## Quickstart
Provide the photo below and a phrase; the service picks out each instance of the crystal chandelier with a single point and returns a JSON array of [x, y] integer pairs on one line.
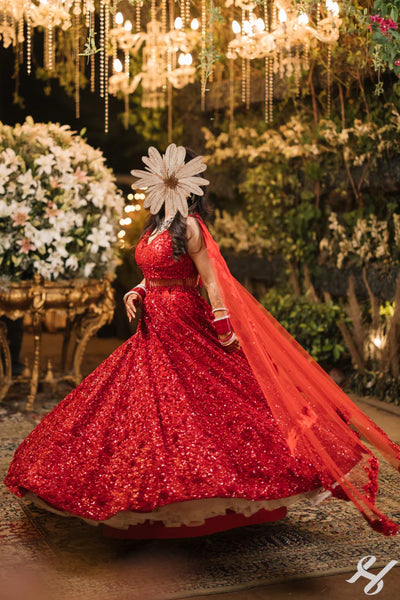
[[282, 36]]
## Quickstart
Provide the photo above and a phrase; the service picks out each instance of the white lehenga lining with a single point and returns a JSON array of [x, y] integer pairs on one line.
[[190, 512]]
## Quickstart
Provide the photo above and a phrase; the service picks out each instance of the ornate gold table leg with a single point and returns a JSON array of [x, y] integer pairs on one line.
[[5, 362]]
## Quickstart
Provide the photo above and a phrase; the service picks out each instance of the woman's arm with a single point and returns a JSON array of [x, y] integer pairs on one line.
[[131, 298], [198, 252]]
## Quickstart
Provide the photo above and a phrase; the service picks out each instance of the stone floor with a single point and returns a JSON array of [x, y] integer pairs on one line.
[[326, 588]]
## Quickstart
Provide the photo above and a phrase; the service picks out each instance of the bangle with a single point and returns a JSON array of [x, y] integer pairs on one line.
[[138, 289], [219, 308], [229, 341], [223, 325]]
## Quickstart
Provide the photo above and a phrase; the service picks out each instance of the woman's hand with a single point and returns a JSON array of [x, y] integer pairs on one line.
[[235, 345], [130, 305]]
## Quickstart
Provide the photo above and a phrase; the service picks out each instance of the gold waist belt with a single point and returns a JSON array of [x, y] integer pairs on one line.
[[188, 282]]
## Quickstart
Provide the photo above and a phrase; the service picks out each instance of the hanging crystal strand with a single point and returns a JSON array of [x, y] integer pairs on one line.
[[266, 90], [92, 57], [87, 14], [187, 11], [266, 64], [77, 10], [183, 13], [274, 15], [170, 67], [271, 88], [50, 41], [137, 24], [243, 62], [248, 72], [106, 40], [21, 40], [165, 56], [211, 74], [29, 41], [102, 60], [297, 72], [329, 107], [46, 48], [231, 92], [164, 17], [203, 50]]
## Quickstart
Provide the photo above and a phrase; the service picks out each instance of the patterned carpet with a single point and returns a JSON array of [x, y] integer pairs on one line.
[[67, 558]]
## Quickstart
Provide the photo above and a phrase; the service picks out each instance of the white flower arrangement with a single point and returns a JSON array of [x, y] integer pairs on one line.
[[365, 243], [60, 206]]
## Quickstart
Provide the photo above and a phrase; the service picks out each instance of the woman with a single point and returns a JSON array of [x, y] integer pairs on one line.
[[208, 417]]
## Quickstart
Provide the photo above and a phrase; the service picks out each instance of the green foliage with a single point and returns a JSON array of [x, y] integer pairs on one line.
[[312, 324], [294, 176], [234, 233]]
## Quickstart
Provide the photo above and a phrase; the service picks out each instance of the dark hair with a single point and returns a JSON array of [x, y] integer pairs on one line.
[[177, 228]]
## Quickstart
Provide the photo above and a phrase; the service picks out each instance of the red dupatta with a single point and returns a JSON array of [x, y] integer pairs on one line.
[[305, 401]]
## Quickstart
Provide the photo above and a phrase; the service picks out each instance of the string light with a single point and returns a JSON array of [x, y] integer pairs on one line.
[[266, 66], [203, 51], [77, 65], [106, 37], [102, 50], [138, 5], [329, 107], [29, 40]]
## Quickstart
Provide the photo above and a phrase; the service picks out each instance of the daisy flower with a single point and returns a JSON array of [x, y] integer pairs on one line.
[[169, 179]]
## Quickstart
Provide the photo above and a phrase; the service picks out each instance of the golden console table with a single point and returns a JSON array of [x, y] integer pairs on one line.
[[88, 305]]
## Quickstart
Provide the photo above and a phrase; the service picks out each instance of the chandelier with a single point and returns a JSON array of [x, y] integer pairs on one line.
[[167, 42], [282, 36]]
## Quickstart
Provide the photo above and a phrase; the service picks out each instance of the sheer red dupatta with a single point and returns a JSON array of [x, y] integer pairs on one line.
[[311, 411]]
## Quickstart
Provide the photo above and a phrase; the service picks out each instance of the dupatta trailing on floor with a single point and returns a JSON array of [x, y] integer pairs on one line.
[[304, 400]]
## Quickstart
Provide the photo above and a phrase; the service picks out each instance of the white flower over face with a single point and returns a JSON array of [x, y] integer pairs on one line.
[[45, 163], [169, 179]]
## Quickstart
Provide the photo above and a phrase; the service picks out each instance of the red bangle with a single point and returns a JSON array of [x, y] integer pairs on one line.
[[140, 291], [223, 325]]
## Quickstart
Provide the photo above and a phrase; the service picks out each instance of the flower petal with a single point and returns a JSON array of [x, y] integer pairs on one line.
[[169, 202], [193, 167], [181, 201], [154, 161], [150, 178], [174, 158], [194, 180], [157, 201]]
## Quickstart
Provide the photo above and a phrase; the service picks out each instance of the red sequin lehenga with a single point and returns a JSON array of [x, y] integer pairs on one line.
[[170, 435]]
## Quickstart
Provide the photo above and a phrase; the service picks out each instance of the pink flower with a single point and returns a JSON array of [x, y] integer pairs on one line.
[[51, 210], [54, 182], [19, 218], [27, 246], [80, 176], [375, 18], [397, 62], [369, 27]]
